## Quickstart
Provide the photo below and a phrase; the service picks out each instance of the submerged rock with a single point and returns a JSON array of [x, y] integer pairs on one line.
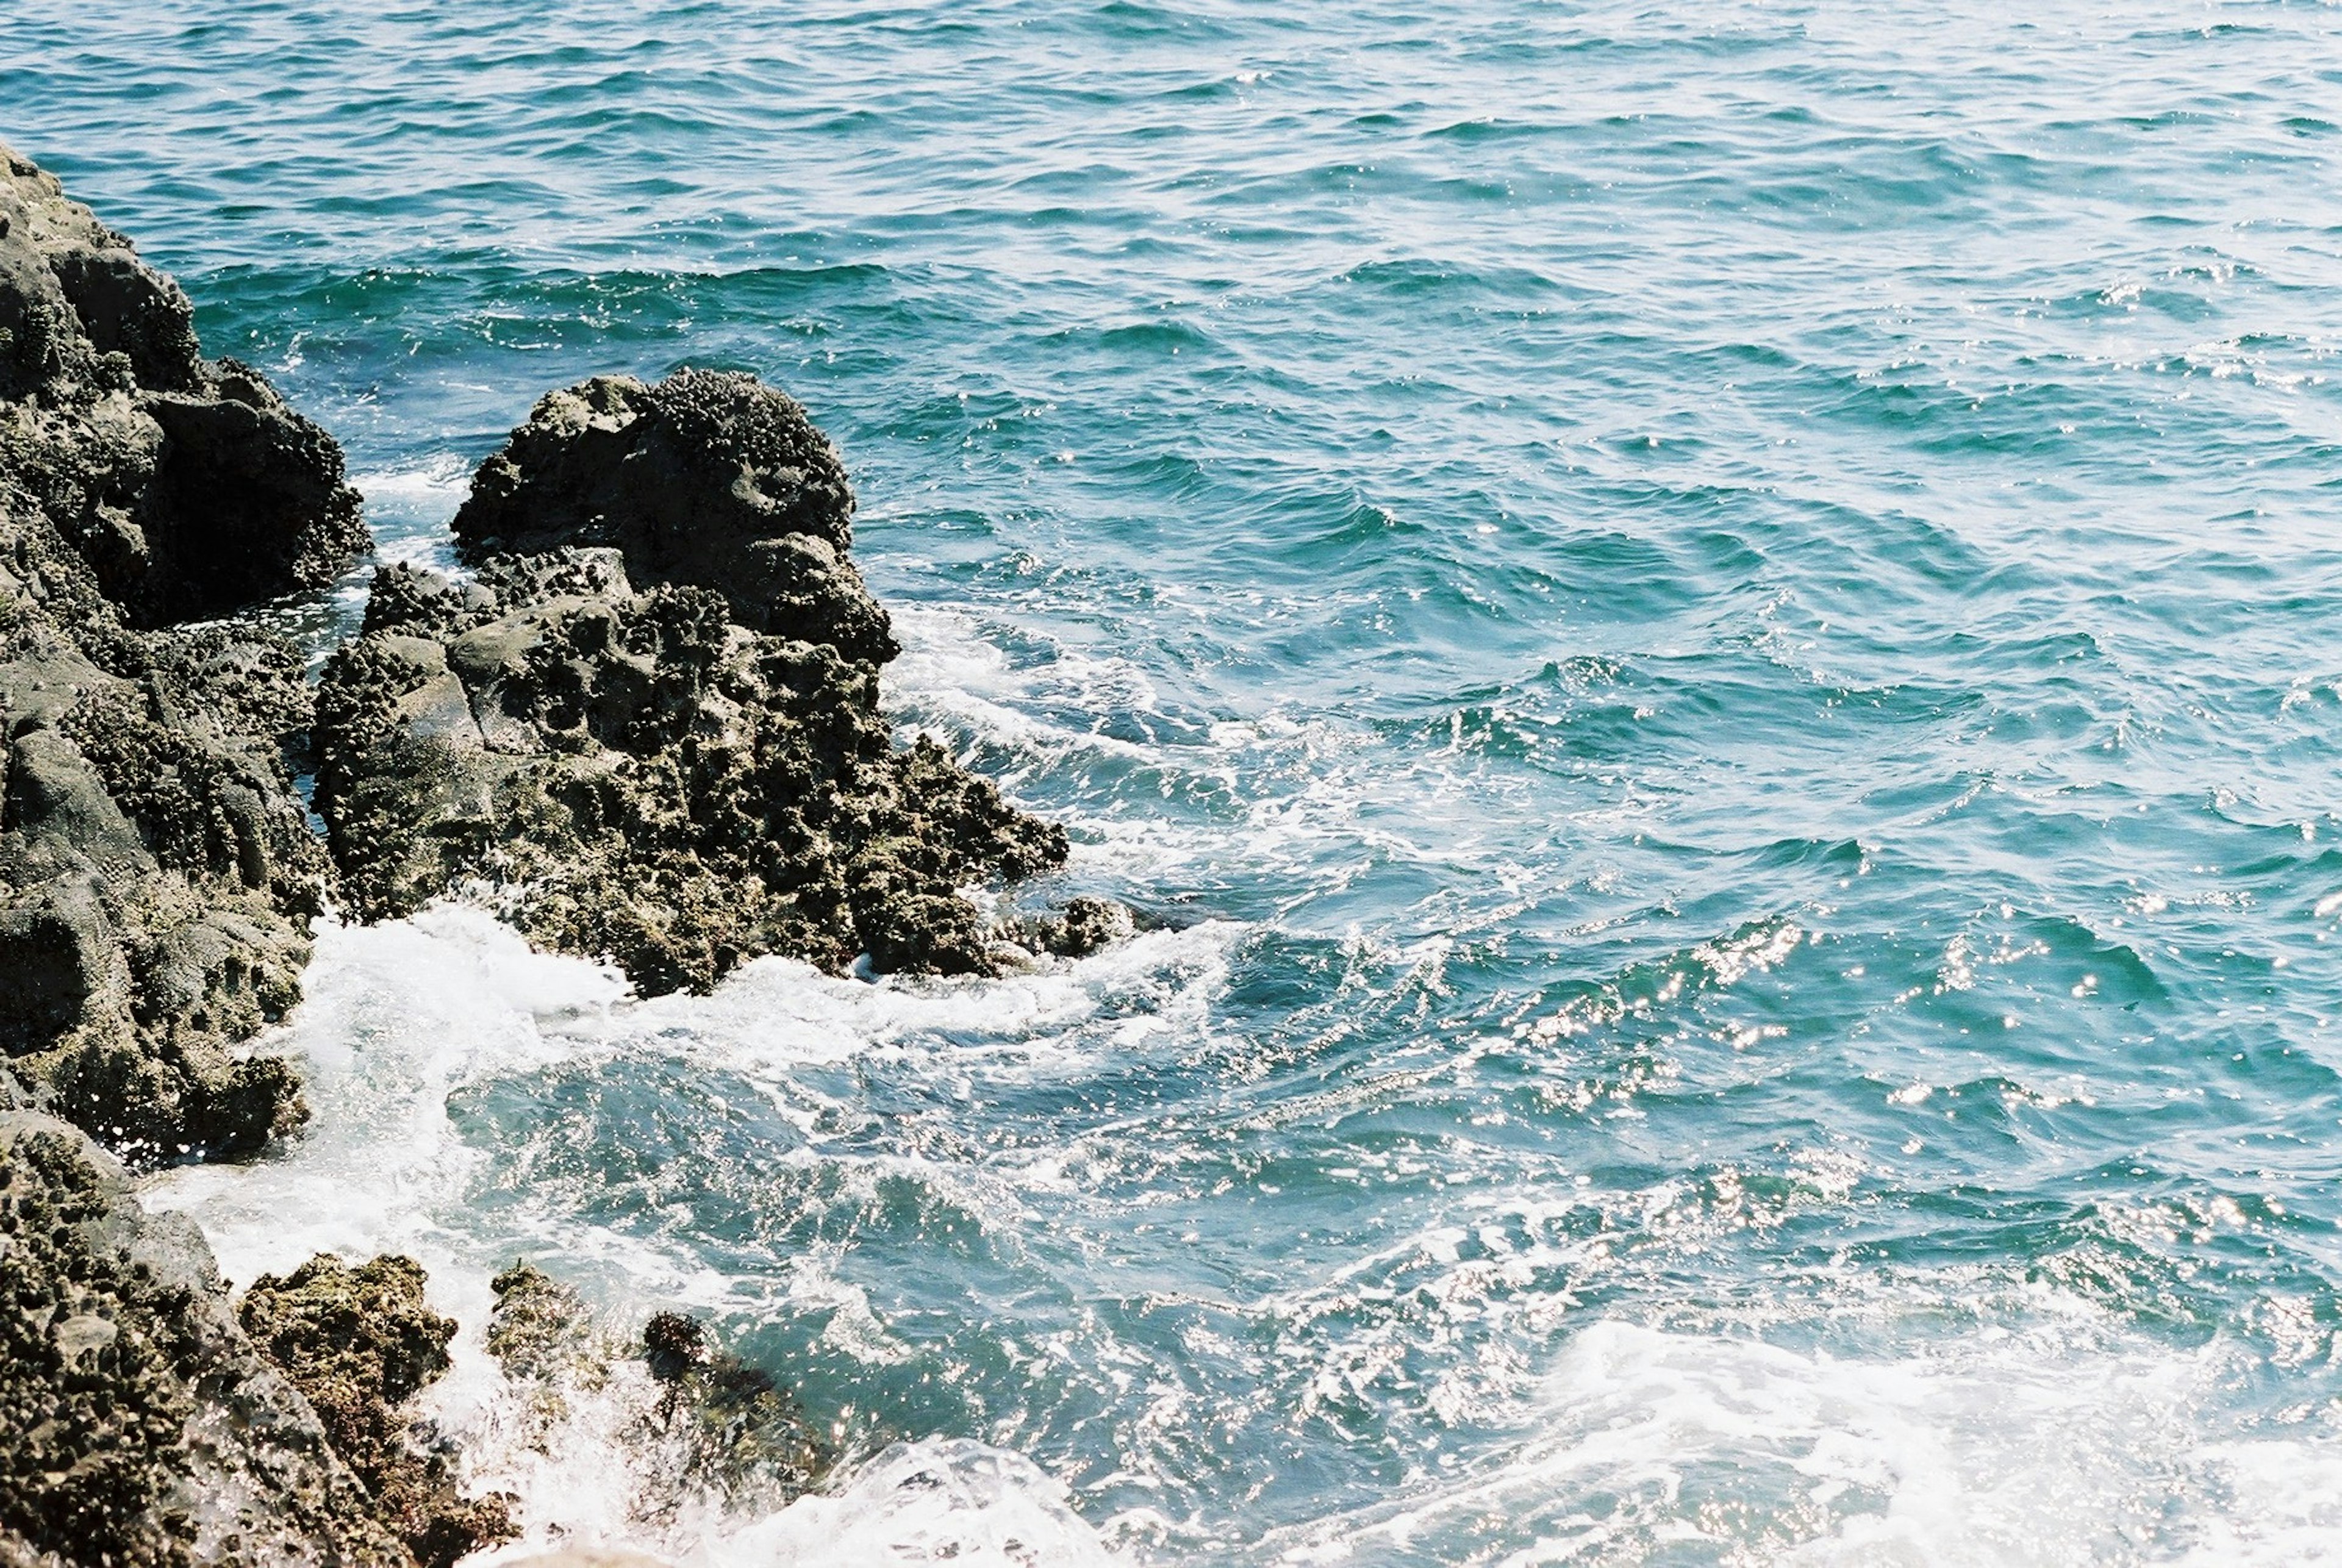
[[649, 727], [359, 1343], [157, 876], [704, 1425], [138, 1427], [736, 1430]]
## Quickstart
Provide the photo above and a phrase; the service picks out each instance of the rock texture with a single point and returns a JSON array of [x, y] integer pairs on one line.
[[156, 872], [359, 1343], [138, 1425], [706, 480], [648, 726], [185, 484]]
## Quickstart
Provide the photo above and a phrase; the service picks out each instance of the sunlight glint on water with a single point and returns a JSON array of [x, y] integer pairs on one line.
[[1710, 633]]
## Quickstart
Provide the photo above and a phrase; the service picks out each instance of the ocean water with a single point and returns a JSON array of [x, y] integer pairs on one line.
[[1714, 631]]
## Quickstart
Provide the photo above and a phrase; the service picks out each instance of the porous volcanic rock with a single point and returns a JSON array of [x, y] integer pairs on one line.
[[359, 1343], [157, 876], [648, 726], [708, 479], [138, 1427]]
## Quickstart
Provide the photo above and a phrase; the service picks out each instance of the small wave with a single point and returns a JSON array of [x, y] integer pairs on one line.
[[2053, 1445], [950, 1500]]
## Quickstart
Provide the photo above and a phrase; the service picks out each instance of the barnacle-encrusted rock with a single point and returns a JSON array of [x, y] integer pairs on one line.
[[156, 873], [137, 1424], [649, 725], [359, 1342]]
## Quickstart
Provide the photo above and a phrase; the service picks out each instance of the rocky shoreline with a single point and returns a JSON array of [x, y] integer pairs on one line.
[[643, 724]]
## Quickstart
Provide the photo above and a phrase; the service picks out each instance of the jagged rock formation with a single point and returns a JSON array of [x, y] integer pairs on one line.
[[359, 1342], [704, 480], [156, 872], [649, 725], [138, 1425], [185, 484]]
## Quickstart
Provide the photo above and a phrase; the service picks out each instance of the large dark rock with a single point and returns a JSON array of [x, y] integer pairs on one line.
[[139, 1427], [185, 484], [709, 478], [157, 876], [639, 734]]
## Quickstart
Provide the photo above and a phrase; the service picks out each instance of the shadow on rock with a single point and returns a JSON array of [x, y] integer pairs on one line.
[[648, 728], [157, 876]]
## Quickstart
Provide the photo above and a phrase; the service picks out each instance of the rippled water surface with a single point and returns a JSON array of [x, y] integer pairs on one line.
[[1717, 630]]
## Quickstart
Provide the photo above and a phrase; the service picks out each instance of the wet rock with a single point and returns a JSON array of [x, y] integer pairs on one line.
[[541, 1331], [1085, 925], [737, 1431], [704, 1424], [644, 734], [157, 876], [359, 1343], [137, 1424]]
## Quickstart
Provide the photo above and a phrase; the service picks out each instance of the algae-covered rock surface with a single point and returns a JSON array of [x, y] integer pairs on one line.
[[359, 1342], [138, 1425], [648, 726], [157, 876]]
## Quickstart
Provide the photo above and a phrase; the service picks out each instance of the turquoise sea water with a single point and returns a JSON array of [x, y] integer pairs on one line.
[[1716, 629]]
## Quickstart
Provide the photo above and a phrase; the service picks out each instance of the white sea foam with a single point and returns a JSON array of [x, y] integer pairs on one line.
[[1991, 1448], [401, 1015], [1300, 790], [941, 1501], [2075, 1439], [408, 508]]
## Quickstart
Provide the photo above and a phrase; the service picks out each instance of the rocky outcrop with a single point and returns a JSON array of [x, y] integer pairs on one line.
[[648, 726], [645, 723], [185, 484], [706, 480], [359, 1343], [156, 872], [138, 1425]]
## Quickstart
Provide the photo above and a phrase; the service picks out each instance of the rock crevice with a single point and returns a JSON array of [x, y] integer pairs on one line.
[[157, 876]]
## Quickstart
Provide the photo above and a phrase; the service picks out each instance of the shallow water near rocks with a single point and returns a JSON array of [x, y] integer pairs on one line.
[[1713, 628]]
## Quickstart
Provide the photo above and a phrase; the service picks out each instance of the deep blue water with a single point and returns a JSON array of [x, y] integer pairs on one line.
[[1720, 628]]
